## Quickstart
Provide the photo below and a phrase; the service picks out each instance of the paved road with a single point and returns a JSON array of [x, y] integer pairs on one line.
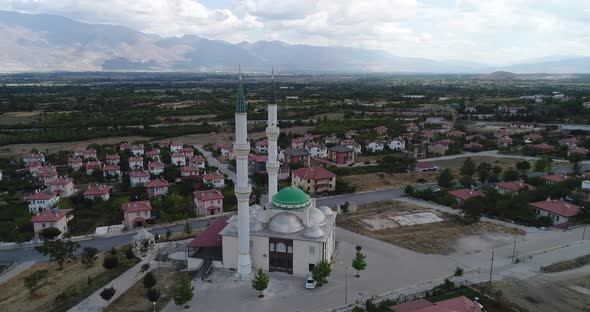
[[493, 153], [212, 161]]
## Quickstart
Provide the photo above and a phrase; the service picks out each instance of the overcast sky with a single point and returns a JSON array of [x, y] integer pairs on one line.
[[485, 31]]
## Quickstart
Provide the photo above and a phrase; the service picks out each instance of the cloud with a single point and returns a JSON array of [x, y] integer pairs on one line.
[[491, 31]]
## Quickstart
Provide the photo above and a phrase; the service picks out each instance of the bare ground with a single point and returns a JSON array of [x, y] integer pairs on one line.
[[377, 181], [431, 238]]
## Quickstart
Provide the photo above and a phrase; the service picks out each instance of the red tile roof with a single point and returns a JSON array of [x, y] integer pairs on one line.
[[97, 190], [33, 156], [412, 306], [208, 195], [177, 155], [569, 140], [213, 176], [261, 143], [61, 181], [135, 159], [71, 160], [515, 186], [139, 174], [465, 194], [558, 207], [34, 164], [153, 152], [533, 136], [156, 164], [504, 140], [93, 164], [111, 168], [542, 147], [157, 183], [197, 159], [258, 158], [188, 169], [458, 304], [143, 205], [41, 196], [556, 177], [315, 173], [50, 215], [210, 236], [578, 150]]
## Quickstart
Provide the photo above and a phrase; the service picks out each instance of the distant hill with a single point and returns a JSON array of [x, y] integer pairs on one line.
[[504, 75], [50, 43], [498, 75]]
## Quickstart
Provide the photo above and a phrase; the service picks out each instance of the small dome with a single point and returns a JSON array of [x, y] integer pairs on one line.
[[317, 217], [326, 210], [313, 232], [290, 198], [286, 223]]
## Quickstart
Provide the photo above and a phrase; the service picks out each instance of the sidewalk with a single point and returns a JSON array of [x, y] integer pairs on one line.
[[14, 270], [94, 303]]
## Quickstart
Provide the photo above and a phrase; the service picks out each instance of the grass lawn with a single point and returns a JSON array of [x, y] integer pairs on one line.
[[134, 299], [61, 290]]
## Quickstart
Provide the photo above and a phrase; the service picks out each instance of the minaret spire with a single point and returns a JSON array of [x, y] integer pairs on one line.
[[242, 187], [272, 132]]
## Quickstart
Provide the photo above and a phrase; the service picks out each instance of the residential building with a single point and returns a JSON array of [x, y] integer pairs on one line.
[[473, 147], [79, 151], [139, 178], [208, 202], [175, 147], [41, 200], [455, 133], [137, 150], [317, 150], [457, 304], [157, 188], [555, 178], [341, 155], [504, 142], [313, 179], [97, 191], [298, 142], [397, 144], [124, 146], [188, 152], [74, 162], [33, 157], [331, 140], [92, 166], [33, 166], [439, 147], [63, 187], [198, 162], [257, 163], [189, 171], [261, 146], [153, 155], [375, 146], [512, 187], [114, 159], [215, 178], [352, 145], [511, 110], [521, 125], [381, 130], [569, 142], [461, 195], [164, 143], [156, 168], [90, 154], [55, 218], [577, 150], [111, 171], [351, 134], [532, 138], [542, 147], [423, 166], [136, 213], [46, 177], [136, 163], [178, 159], [295, 156], [560, 212]]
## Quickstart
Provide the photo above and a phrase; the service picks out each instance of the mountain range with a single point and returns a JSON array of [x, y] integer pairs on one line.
[[41, 42]]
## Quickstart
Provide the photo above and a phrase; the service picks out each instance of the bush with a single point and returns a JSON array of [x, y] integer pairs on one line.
[[458, 272], [129, 254]]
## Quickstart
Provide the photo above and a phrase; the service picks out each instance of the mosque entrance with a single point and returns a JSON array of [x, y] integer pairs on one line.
[[280, 255]]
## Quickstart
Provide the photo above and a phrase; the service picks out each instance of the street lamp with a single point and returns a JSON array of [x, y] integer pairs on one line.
[[345, 283]]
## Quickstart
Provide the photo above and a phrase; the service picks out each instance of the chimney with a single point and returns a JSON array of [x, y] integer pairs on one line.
[[548, 198]]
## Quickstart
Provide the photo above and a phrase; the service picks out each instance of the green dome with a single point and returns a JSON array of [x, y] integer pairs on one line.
[[290, 198]]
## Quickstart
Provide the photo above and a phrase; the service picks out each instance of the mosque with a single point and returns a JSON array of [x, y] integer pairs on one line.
[[288, 234]]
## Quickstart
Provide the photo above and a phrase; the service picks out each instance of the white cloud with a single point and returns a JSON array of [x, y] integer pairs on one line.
[[497, 31]]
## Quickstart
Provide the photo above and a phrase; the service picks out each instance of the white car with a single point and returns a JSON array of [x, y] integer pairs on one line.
[[310, 283]]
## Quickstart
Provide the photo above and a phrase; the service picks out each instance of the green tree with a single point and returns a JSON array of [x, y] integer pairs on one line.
[[183, 292], [473, 209], [544, 165], [575, 159], [58, 251], [359, 263], [33, 280], [466, 181], [445, 179], [409, 190], [260, 282], [511, 175], [523, 166], [321, 272], [153, 295], [149, 280], [50, 232], [88, 255], [110, 262], [468, 168], [484, 172], [108, 293], [497, 170]]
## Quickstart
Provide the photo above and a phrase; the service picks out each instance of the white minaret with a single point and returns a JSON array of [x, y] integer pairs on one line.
[[242, 188], [272, 132]]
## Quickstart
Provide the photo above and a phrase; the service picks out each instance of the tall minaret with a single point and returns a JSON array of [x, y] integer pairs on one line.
[[242, 188], [272, 132]]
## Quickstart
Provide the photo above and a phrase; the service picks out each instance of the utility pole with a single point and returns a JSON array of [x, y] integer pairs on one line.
[[492, 267], [346, 285], [514, 249], [584, 232]]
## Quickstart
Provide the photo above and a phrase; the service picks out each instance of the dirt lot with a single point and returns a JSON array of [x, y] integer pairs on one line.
[[73, 279], [505, 163], [551, 292], [377, 181], [206, 138], [134, 299], [19, 149], [429, 238]]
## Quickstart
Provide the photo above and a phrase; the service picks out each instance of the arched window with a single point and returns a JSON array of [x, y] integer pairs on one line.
[[281, 247], [290, 249], [271, 247]]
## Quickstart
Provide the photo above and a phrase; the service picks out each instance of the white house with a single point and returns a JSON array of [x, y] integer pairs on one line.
[[178, 159], [95, 192], [156, 168], [397, 144], [559, 211], [208, 202], [317, 150], [375, 146], [215, 178], [352, 145], [64, 187], [153, 154], [175, 147], [33, 157], [137, 150], [137, 178], [157, 188], [261, 146], [42, 200], [198, 162], [111, 171], [55, 218], [135, 163]]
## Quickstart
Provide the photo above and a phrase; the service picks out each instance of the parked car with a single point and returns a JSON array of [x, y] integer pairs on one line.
[[310, 283]]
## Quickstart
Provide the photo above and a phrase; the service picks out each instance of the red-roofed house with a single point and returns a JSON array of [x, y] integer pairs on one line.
[[226, 150], [455, 133], [381, 130], [261, 146], [422, 166], [457, 304], [136, 213], [41, 200], [543, 147], [473, 147], [89, 154], [79, 151], [298, 142], [341, 155], [64, 187], [257, 163], [577, 150], [164, 143], [521, 125], [33, 166], [157, 188], [296, 155], [175, 147], [352, 145], [114, 159], [75, 163], [138, 178], [461, 195], [439, 147], [189, 171], [153, 154], [45, 177], [512, 187], [156, 167], [178, 159], [188, 152], [198, 162], [350, 134], [111, 171], [555, 178], [137, 150], [331, 140], [397, 144], [98, 191], [124, 146], [533, 137], [92, 166], [558, 210], [569, 142], [375, 146], [210, 237], [317, 150], [56, 218], [314, 179], [505, 142], [135, 163], [208, 202], [33, 157], [215, 178]]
